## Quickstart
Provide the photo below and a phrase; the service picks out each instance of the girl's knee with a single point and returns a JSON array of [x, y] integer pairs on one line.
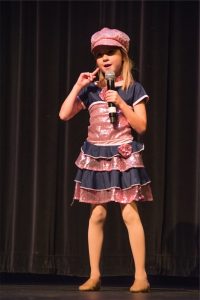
[[130, 213], [98, 214]]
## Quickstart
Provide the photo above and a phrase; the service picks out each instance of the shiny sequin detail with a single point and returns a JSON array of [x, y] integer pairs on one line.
[[102, 131], [110, 166], [134, 193], [125, 150], [102, 93], [115, 163]]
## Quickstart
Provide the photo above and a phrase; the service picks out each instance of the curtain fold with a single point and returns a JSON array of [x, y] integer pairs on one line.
[[44, 47]]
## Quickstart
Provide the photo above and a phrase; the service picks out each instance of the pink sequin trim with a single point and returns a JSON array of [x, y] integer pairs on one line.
[[102, 93], [125, 150], [115, 163], [134, 193], [102, 131]]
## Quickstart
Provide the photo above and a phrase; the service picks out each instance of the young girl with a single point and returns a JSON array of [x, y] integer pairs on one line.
[[110, 166]]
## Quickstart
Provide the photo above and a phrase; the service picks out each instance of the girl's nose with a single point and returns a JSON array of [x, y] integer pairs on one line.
[[105, 57]]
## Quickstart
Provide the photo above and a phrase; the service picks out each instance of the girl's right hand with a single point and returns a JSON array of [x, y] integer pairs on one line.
[[86, 78]]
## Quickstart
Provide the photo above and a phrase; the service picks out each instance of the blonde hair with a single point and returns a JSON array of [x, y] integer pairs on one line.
[[126, 72]]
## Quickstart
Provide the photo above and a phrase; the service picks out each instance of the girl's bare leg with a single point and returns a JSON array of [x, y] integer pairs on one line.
[[95, 238], [137, 241], [95, 242]]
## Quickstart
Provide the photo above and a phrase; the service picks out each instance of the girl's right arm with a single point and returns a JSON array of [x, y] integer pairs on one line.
[[71, 106]]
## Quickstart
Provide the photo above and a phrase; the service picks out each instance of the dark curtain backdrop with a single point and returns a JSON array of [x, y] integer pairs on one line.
[[44, 46]]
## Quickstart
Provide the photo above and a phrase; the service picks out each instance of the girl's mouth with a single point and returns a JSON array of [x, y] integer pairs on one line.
[[107, 65]]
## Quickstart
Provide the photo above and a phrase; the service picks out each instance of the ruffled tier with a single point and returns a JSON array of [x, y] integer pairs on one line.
[[113, 179], [111, 173], [108, 158], [116, 163], [134, 193], [108, 152]]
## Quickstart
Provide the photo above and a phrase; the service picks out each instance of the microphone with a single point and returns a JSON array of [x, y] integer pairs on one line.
[[110, 78]]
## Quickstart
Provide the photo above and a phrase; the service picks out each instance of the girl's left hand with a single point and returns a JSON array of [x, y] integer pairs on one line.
[[114, 97]]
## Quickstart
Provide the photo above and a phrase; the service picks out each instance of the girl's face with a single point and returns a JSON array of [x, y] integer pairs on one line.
[[109, 58]]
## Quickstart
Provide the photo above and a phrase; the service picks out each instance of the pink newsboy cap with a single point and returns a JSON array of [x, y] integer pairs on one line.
[[110, 37]]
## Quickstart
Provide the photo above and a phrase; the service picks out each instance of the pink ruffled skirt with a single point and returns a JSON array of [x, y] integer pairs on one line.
[[111, 173]]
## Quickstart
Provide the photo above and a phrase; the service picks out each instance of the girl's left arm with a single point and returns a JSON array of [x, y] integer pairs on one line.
[[136, 116]]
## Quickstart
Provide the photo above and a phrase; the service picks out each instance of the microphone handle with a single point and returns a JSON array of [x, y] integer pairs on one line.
[[110, 84], [111, 106]]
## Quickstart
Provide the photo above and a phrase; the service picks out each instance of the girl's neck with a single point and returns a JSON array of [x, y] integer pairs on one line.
[[118, 82], [118, 78]]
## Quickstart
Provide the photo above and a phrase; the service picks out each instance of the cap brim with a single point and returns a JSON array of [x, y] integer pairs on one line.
[[107, 42]]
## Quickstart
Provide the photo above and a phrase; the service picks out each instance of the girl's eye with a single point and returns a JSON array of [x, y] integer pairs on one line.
[[98, 55], [111, 52], [108, 52]]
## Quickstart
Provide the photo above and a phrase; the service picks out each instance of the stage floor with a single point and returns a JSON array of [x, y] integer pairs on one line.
[[39, 287], [63, 292]]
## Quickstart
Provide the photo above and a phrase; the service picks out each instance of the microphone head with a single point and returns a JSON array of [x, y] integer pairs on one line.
[[110, 75]]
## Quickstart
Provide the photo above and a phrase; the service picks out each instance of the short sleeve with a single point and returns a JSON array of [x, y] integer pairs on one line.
[[83, 97], [139, 94], [88, 95]]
